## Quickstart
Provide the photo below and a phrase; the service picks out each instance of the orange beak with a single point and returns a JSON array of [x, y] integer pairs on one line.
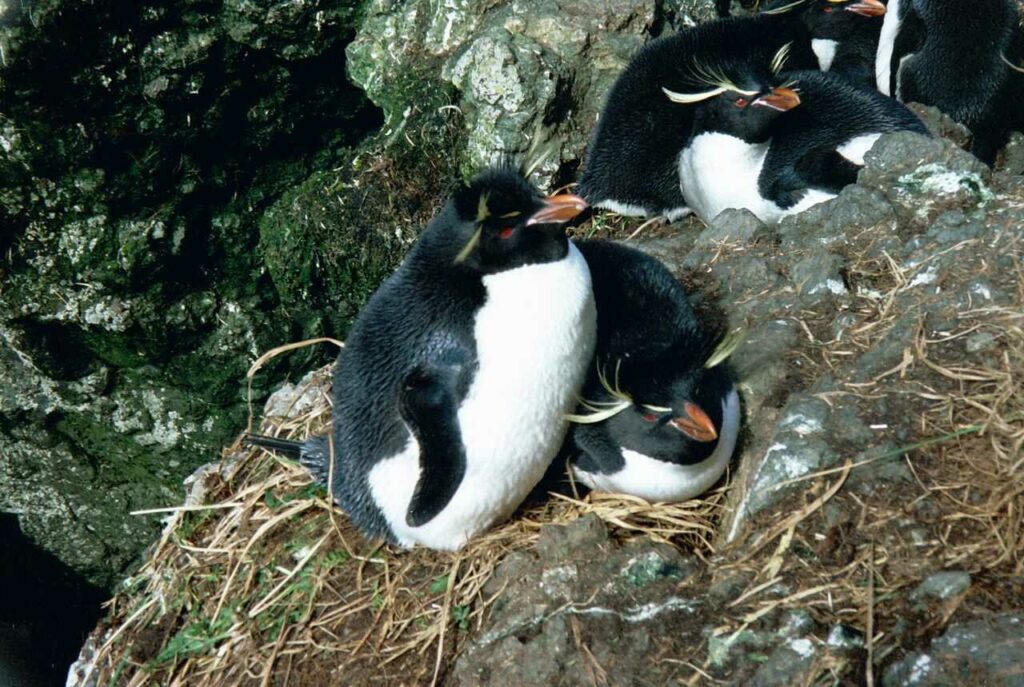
[[558, 209], [867, 8], [695, 423], [780, 99]]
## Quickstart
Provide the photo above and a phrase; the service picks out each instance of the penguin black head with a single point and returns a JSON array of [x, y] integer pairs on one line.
[[831, 19], [741, 99], [669, 414], [499, 221]]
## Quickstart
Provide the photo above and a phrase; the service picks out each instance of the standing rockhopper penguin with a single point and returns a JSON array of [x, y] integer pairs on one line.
[[660, 414], [451, 393]]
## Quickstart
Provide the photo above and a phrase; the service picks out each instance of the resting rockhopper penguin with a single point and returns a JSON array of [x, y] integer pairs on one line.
[[660, 414], [777, 142], [631, 164], [959, 57], [451, 394]]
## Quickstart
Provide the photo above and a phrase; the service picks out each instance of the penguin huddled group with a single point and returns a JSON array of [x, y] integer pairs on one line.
[[775, 112], [456, 387], [500, 344]]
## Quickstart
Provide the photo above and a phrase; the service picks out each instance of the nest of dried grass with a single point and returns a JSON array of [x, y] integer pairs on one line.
[[264, 582]]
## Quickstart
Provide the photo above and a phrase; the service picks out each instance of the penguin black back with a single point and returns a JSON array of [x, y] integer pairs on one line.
[[631, 163], [821, 143], [943, 53]]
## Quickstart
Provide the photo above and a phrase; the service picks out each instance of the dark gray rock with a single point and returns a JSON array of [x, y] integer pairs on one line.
[[942, 125], [731, 226], [986, 652], [140, 144], [577, 588], [1012, 160], [941, 586]]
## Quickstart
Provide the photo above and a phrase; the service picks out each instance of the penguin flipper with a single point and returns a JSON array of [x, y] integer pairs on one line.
[[598, 453], [827, 169], [429, 404]]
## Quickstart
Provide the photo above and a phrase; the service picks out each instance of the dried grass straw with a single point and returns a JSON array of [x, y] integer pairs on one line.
[[265, 582]]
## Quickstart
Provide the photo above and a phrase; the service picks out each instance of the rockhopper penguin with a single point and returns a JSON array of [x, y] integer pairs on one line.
[[777, 142], [451, 394], [960, 58], [660, 414], [842, 33], [631, 165]]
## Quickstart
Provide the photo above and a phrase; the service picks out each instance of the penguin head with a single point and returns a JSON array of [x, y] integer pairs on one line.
[[831, 19], [742, 99], [499, 221], [676, 418], [669, 407]]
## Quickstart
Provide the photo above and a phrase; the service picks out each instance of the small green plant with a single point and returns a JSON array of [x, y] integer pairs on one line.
[[439, 584], [460, 616], [378, 601], [198, 637], [333, 559]]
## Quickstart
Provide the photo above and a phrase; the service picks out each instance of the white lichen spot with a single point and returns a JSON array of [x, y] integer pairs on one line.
[[922, 666], [801, 424], [982, 291], [833, 286], [873, 294], [803, 647], [928, 276], [109, 314], [301, 553]]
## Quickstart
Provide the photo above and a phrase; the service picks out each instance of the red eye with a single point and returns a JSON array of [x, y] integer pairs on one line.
[[741, 102], [650, 417], [828, 9], [506, 232]]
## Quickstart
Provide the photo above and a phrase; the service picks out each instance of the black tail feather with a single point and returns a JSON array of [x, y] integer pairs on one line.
[[292, 449]]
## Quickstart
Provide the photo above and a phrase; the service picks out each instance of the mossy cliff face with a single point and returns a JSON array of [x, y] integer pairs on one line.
[[139, 145]]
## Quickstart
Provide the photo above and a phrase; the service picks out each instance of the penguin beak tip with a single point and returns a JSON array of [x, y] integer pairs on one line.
[[558, 209], [781, 99], [867, 8], [695, 423]]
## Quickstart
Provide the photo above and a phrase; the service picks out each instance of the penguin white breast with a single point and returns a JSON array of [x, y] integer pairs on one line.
[[625, 209], [886, 43], [534, 339], [657, 480], [857, 147], [718, 171], [825, 50]]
